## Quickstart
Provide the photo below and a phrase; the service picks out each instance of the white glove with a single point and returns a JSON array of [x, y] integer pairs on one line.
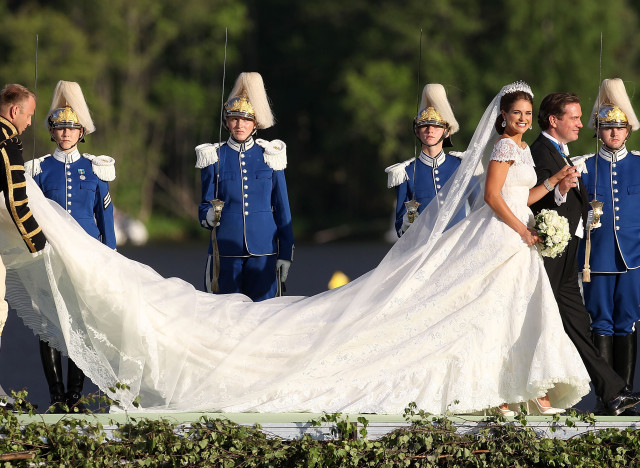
[[590, 221], [406, 223], [211, 218], [283, 266]]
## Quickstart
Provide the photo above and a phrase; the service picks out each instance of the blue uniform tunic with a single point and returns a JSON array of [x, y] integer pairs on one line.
[[69, 180], [255, 220], [613, 295], [430, 176]]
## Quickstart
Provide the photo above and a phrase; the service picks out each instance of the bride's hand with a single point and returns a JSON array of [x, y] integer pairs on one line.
[[530, 237]]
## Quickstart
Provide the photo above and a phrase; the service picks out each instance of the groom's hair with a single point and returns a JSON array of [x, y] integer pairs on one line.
[[554, 104]]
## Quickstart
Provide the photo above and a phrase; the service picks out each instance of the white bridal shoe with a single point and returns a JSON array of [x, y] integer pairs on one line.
[[545, 410], [505, 411]]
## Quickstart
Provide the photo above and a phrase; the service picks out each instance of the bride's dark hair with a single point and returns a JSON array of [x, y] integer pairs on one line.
[[506, 102]]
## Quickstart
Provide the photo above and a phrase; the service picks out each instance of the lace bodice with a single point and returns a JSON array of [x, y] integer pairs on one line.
[[520, 178]]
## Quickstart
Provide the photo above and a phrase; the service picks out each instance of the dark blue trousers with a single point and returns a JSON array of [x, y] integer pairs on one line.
[[253, 276], [613, 301]]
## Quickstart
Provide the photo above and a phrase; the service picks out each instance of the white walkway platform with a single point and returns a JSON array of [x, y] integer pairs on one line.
[[295, 425]]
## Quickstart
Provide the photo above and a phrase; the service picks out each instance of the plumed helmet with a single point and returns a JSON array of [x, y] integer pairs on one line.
[[248, 99], [612, 108], [69, 109], [435, 109], [63, 117], [610, 116]]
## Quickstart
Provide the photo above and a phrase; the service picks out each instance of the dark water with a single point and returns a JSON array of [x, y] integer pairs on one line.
[[310, 273]]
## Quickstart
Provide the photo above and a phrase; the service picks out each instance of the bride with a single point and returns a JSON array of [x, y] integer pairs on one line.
[[459, 320]]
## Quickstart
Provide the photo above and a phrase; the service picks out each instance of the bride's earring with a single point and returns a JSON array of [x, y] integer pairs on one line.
[[504, 123]]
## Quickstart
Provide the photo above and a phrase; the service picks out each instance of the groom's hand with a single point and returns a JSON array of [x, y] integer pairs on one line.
[[570, 180]]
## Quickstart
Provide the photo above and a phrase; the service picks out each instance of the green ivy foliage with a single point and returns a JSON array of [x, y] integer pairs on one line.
[[427, 441]]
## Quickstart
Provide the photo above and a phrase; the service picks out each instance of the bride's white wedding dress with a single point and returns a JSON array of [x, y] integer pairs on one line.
[[466, 324], [459, 320]]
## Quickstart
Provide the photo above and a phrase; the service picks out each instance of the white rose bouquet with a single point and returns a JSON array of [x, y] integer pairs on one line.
[[553, 231]]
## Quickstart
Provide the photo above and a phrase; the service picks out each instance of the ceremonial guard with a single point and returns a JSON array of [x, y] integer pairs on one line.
[[244, 199], [611, 251], [417, 181], [17, 106], [80, 184]]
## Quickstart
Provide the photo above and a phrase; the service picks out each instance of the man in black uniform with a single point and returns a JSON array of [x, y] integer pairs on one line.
[[17, 105]]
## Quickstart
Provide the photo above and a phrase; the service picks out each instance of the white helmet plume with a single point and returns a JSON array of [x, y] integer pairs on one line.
[[69, 93], [613, 93], [250, 87], [434, 95]]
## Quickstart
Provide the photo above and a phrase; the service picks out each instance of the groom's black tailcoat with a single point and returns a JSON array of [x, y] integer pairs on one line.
[[563, 270]]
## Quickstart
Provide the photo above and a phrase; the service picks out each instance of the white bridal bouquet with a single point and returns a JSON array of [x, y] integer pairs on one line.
[[553, 231]]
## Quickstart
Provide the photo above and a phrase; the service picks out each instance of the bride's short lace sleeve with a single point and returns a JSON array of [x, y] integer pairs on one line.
[[506, 149]]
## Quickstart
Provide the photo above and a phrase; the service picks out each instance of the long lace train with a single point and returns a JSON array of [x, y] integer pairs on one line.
[[416, 329]]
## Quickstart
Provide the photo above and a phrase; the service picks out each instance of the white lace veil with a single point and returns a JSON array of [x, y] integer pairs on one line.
[[180, 349]]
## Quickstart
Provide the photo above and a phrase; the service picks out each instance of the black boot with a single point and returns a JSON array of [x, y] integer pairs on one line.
[[75, 382], [624, 362], [52, 365], [604, 344]]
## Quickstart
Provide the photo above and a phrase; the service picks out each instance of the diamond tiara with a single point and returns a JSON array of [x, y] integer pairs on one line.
[[516, 86]]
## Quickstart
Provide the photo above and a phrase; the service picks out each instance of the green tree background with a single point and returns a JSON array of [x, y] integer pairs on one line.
[[342, 76]]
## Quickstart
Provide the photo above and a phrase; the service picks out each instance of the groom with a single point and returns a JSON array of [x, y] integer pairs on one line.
[[559, 119]]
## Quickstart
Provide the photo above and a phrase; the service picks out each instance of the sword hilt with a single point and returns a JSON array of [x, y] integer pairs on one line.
[[217, 209], [412, 210]]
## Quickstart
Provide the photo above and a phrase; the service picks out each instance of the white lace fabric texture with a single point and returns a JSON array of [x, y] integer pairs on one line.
[[458, 320]]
